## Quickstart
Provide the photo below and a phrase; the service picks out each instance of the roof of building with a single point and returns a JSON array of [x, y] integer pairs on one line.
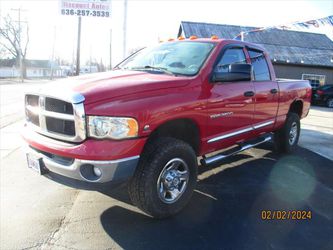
[[7, 62], [39, 64], [297, 47], [44, 64]]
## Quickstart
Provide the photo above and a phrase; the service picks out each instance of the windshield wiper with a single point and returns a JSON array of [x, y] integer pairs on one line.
[[165, 70]]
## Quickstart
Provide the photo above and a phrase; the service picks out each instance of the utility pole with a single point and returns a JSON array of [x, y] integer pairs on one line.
[[19, 41], [78, 47], [110, 49], [125, 30], [90, 59], [53, 48], [73, 58]]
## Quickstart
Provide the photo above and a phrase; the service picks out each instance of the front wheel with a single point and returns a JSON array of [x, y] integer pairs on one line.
[[165, 178], [287, 137]]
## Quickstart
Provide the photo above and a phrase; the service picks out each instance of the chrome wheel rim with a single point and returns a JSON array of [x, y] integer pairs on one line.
[[293, 133], [172, 181]]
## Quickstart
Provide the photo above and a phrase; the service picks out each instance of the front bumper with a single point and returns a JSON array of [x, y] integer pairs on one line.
[[114, 160], [83, 170]]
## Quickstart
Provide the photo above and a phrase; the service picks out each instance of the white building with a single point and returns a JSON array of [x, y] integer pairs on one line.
[[35, 69]]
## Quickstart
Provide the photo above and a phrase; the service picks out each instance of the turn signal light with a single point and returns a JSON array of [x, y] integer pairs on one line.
[[214, 37], [193, 37]]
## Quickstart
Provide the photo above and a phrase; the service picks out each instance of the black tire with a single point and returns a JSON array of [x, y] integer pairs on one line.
[[329, 102], [143, 187], [286, 141]]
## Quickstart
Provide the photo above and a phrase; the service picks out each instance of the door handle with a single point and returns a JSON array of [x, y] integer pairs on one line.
[[249, 93], [274, 91]]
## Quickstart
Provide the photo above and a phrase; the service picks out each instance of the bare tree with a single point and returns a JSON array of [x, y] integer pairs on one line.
[[15, 41]]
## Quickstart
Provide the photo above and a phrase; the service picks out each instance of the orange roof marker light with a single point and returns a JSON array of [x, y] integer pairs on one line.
[[193, 37], [214, 37], [170, 39], [181, 38]]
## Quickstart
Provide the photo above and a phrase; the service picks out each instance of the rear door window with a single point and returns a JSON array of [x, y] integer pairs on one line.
[[260, 66]]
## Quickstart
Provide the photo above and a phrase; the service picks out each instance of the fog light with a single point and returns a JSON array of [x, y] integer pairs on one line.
[[97, 171], [90, 173]]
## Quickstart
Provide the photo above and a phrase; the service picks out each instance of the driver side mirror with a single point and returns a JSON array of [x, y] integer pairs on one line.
[[236, 73]]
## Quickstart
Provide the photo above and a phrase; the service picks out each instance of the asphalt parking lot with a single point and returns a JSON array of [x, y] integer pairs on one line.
[[224, 213]]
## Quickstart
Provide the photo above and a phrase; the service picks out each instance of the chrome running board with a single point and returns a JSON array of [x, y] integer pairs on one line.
[[205, 161]]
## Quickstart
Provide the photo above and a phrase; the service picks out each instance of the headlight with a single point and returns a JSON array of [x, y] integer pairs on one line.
[[102, 127]]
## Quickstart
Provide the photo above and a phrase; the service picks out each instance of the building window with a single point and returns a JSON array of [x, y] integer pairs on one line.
[[315, 80]]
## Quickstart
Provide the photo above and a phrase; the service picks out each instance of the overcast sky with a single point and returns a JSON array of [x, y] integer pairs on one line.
[[147, 21]]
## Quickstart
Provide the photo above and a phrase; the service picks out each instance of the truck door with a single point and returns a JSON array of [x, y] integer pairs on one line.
[[266, 93], [230, 104]]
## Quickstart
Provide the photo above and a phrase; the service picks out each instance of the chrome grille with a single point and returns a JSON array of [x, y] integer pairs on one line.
[[32, 100], [58, 106], [60, 126], [56, 118]]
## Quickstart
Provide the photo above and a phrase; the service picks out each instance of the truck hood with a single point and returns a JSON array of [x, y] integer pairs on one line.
[[108, 85]]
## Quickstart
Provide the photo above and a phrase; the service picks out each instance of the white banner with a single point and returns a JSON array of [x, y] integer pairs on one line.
[[94, 8], [322, 23]]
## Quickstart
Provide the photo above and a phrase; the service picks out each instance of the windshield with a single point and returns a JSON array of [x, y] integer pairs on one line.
[[184, 58]]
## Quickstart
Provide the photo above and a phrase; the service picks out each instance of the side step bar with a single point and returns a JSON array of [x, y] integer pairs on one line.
[[205, 161]]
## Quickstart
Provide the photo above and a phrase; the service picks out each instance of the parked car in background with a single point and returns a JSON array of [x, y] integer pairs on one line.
[[323, 95]]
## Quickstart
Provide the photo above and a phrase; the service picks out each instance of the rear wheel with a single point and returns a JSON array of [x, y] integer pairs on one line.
[[287, 137], [165, 178], [329, 102]]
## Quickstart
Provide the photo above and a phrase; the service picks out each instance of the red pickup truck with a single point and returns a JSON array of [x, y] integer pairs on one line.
[[150, 119]]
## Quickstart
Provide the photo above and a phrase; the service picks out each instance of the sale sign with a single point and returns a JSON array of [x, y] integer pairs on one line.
[[94, 8]]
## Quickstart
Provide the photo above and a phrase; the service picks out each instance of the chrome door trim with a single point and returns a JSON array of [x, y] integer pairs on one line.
[[264, 124], [221, 137], [238, 132]]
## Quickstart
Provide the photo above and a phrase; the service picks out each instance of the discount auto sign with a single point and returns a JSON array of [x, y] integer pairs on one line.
[[95, 8]]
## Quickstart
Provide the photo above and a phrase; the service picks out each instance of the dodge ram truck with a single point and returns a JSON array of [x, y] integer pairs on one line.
[[159, 114]]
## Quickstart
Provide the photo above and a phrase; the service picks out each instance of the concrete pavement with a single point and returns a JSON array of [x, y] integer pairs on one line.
[[317, 131], [225, 211]]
